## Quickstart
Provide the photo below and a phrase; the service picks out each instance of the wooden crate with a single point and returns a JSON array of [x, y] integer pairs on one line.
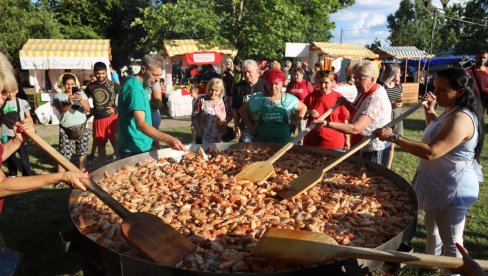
[[410, 92]]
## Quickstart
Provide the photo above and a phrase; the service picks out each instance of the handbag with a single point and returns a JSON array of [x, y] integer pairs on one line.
[[74, 132]]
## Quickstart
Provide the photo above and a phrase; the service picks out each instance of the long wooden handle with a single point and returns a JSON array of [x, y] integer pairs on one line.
[[302, 134], [92, 186], [369, 138], [404, 257]]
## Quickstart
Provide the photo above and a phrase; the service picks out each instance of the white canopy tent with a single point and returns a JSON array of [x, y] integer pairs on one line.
[[60, 55], [47, 59]]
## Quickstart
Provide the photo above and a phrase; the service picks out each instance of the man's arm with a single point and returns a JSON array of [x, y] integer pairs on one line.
[[149, 130]]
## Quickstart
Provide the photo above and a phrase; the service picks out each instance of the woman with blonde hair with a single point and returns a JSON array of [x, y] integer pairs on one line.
[[209, 118], [390, 80], [371, 109]]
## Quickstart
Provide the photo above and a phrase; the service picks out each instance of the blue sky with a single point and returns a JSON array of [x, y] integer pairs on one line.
[[366, 20]]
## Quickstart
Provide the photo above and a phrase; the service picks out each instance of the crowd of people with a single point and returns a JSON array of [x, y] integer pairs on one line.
[[270, 106]]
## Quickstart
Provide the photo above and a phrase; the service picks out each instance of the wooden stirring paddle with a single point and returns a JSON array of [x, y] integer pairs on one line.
[[145, 231], [262, 170], [310, 178], [311, 248]]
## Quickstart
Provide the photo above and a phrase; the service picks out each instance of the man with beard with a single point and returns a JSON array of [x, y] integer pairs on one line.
[[136, 132], [103, 92]]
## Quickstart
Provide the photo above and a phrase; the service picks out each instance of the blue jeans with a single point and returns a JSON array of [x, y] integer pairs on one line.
[[156, 118]]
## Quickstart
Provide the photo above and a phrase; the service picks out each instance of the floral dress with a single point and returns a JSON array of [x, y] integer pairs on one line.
[[205, 120]]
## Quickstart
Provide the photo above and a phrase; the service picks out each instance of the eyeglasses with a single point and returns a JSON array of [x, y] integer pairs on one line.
[[361, 78]]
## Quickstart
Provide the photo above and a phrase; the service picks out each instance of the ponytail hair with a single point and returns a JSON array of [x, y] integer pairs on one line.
[[460, 79]]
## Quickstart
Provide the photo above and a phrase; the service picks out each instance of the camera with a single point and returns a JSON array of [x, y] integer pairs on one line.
[[75, 90]]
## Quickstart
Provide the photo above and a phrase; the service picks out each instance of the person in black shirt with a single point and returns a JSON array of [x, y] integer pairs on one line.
[[105, 122], [252, 83]]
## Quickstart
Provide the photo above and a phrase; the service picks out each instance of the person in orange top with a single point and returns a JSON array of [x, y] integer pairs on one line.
[[318, 102]]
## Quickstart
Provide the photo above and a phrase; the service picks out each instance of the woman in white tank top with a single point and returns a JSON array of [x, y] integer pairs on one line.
[[447, 178]]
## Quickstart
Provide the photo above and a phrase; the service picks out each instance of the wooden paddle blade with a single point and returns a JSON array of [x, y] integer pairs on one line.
[[257, 171], [301, 184], [156, 239], [303, 247], [295, 246]]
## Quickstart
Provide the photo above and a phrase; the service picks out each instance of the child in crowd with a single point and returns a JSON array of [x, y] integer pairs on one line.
[[22, 108], [210, 117]]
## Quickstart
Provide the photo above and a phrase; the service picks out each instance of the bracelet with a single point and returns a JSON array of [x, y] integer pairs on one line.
[[394, 138], [327, 123]]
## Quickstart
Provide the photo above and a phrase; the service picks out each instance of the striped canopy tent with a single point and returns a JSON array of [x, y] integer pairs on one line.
[[176, 47], [401, 52], [335, 50], [64, 53]]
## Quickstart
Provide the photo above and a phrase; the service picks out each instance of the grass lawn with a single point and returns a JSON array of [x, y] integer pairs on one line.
[[30, 222]]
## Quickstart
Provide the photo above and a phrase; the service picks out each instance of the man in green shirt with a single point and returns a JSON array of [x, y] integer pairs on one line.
[[136, 133]]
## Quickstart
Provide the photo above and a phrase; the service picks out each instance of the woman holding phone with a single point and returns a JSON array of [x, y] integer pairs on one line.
[[73, 105]]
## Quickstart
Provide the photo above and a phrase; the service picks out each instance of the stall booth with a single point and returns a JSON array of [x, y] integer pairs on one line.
[[410, 80], [180, 55], [340, 56], [47, 59]]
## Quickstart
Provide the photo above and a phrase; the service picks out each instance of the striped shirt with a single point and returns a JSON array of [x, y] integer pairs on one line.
[[394, 93]]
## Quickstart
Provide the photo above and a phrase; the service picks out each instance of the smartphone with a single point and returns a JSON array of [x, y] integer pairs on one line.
[[75, 90]]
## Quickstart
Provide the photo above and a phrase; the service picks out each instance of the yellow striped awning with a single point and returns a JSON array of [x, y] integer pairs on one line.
[[176, 47], [64, 53], [352, 51], [66, 48]]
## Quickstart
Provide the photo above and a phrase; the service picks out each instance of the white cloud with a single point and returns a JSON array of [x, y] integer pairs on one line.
[[378, 4], [366, 20]]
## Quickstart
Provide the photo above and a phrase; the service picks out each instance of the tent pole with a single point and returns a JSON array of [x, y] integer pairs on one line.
[[405, 75], [418, 71]]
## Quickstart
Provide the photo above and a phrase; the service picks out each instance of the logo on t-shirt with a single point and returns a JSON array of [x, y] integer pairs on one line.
[[100, 96]]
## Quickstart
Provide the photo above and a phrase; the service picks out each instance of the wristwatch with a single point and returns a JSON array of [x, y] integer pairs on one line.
[[327, 123], [394, 138]]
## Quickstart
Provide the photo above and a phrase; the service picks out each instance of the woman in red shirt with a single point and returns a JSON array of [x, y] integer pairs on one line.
[[317, 103], [299, 87]]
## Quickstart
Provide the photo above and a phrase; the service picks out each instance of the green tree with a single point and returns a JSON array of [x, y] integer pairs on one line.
[[375, 44], [411, 25], [82, 19], [21, 20], [108, 19], [474, 37], [259, 28]]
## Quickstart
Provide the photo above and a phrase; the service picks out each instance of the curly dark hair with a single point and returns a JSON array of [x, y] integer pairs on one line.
[[459, 78]]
